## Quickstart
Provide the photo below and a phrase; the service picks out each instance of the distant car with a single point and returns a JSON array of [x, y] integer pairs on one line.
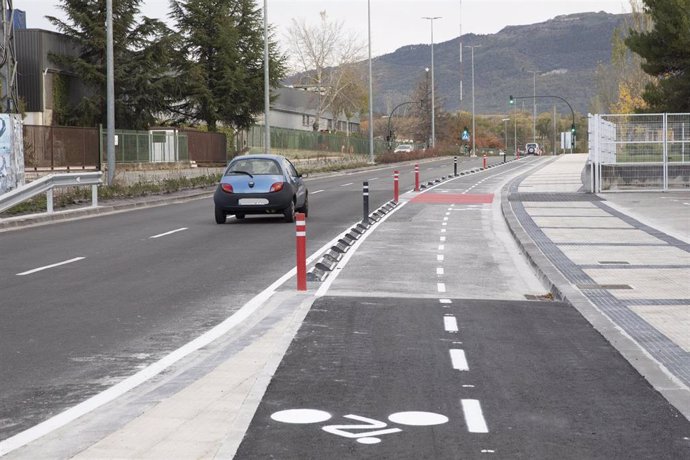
[[532, 149], [404, 148], [260, 184]]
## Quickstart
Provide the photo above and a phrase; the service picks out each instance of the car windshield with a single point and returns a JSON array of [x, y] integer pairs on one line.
[[254, 166]]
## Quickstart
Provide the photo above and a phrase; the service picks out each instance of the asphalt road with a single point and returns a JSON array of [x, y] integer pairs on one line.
[[89, 302], [414, 378]]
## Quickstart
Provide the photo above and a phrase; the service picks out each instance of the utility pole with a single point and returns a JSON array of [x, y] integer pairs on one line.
[[8, 63], [110, 92], [433, 97], [534, 106], [267, 89]]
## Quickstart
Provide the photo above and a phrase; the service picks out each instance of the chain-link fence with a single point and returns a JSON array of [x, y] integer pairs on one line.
[[640, 151], [292, 139], [153, 146]]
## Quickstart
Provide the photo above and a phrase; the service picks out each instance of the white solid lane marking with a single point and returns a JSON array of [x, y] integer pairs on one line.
[[168, 233], [440, 257], [474, 416], [440, 271], [441, 287], [450, 324], [314, 193], [459, 360], [345, 185], [29, 272]]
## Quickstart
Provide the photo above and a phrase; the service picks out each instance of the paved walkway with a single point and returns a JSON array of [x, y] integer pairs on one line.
[[623, 260], [629, 276]]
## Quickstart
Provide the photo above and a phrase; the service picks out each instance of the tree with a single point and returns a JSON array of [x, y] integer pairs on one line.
[[352, 98], [141, 51], [666, 53], [325, 55], [623, 77], [220, 64]]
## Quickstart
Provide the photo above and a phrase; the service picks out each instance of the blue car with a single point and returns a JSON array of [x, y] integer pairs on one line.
[[260, 184]]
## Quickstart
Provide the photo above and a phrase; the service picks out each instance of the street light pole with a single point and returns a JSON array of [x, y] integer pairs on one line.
[[267, 94], [110, 92], [505, 134], [371, 91], [474, 134], [534, 106], [433, 97]]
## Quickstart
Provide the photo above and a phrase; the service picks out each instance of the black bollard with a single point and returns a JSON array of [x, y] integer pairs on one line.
[[455, 166], [365, 202]]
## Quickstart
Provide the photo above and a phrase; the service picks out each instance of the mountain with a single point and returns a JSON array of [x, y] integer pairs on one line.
[[565, 52]]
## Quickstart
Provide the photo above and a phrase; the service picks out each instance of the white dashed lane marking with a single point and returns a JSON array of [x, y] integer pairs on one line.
[[46, 267], [474, 416], [314, 193], [168, 233], [450, 323], [458, 359]]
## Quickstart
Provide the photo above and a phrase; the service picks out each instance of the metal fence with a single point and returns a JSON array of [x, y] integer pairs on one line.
[[66, 147], [292, 139], [639, 151], [205, 147], [57, 147], [153, 146]]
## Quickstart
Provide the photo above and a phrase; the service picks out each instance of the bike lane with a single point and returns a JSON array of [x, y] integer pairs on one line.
[[443, 357]]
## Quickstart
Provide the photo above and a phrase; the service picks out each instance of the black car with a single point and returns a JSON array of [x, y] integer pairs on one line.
[[260, 184]]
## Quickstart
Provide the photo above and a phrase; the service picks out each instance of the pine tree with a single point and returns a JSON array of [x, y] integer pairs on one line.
[[666, 53], [141, 52], [220, 66]]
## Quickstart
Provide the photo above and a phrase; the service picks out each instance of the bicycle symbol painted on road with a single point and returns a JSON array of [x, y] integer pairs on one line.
[[368, 430]]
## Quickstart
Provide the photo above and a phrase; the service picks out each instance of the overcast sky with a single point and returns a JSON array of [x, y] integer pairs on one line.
[[394, 23]]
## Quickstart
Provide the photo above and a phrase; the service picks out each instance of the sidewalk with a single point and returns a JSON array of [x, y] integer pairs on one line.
[[621, 259], [628, 276]]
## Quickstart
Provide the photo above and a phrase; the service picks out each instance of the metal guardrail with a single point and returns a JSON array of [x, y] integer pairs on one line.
[[47, 184]]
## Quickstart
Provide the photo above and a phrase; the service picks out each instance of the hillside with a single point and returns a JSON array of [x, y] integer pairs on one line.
[[564, 50]]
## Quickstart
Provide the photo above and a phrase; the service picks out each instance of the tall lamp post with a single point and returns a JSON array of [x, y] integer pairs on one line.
[[474, 134], [267, 94], [110, 92], [505, 133], [371, 91], [534, 106], [433, 97]]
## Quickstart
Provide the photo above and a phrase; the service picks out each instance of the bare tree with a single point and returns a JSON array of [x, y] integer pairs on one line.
[[325, 55]]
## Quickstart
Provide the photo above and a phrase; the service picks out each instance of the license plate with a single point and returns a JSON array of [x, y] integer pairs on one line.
[[252, 201]]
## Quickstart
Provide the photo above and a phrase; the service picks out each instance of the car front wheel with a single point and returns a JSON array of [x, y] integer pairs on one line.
[[220, 215]]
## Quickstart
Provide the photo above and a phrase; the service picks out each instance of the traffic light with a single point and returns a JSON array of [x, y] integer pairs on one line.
[[511, 100], [572, 128]]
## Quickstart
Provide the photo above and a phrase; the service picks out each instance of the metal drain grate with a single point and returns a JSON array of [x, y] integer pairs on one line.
[[603, 286]]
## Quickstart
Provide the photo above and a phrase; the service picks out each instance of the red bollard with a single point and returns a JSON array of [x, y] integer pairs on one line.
[[484, 162], [301, 227], [416, 178], [396, 190]]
